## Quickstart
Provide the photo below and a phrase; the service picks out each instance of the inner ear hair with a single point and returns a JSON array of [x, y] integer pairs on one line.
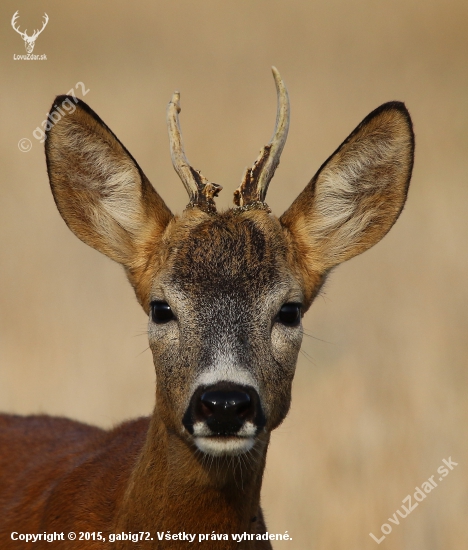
[[357, 194]]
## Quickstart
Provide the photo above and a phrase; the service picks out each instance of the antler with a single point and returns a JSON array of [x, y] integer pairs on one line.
[[254, 186], [13, 22], [37, 33], [199, 189], [24, 34]]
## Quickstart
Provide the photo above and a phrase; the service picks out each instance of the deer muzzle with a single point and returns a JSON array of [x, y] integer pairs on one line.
[[224, 418]]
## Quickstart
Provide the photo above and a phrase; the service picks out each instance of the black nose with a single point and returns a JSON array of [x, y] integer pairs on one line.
[[225, 411], [226, 405], [224, 408]]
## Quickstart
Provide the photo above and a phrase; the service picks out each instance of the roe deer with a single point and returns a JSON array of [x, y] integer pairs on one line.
[[225, 294]]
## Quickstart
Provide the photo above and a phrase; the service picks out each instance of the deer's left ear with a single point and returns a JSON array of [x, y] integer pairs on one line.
[[100, 191], [357, 194]]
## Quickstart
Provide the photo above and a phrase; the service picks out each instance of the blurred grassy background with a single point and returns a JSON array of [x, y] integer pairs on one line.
[[380, 391]]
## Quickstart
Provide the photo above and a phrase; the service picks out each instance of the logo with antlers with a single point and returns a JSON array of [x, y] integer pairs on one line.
[[29, 41]]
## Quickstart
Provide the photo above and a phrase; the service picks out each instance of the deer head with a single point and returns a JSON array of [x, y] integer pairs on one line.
[[29, 41], [225, 292]]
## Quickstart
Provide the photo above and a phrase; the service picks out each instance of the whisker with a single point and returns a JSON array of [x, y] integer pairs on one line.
[[142, 352], [316, 338], [308, 357]]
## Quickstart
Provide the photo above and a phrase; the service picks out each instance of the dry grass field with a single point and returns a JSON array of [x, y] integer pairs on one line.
[[380, 394]]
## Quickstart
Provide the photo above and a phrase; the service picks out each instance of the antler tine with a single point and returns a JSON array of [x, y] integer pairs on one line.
[[44, 23], [254, 186], [199, 189]]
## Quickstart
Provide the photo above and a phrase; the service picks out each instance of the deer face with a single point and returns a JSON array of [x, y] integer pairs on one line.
[[29, 43], [225, 292], [225, 328]]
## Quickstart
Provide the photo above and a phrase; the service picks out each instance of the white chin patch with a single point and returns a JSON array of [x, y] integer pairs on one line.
[[219, 446]]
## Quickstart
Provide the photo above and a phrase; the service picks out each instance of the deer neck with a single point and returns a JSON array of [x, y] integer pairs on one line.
[[174, 487]]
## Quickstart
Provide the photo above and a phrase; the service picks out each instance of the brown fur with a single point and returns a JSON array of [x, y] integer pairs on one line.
[[225, 277]]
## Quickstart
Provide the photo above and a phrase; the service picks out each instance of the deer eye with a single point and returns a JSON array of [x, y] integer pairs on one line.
[[161, 312], [290, 314]]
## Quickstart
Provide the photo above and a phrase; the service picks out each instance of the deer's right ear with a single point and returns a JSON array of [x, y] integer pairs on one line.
[[357, 194], [100, 191]]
